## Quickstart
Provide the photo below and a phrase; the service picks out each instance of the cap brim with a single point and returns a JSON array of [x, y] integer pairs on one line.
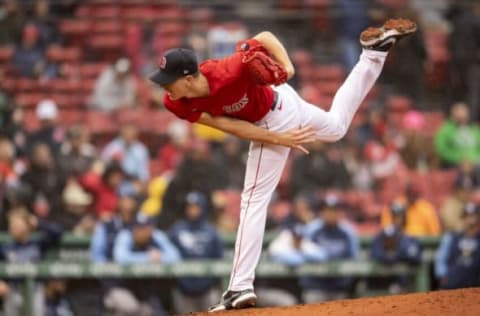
[[162, 78]]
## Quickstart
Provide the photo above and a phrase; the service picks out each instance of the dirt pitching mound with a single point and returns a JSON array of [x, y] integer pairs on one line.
[[464, 302]]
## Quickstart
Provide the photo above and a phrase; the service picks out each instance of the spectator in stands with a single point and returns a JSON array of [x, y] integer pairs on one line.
[[451, 212], [383, 157], [115, 88], [11, 122], [422, 219], [28, 58], [77, 154], [76, 216], [374, 126], [468, 174], [11, 19], [197, 172], [393, 246], [104, 184], [332, 240], [222, 38], [6, 107], [46, 25], [232, 159], [8, 175], [463, 17], [457, 264], [288, 248], [196, 239], [458, 139], [44, 182], [56, 303], [130, 152], [349, 24], [417, 151], [103, 239], [170, 155], [302, 211], [322, 168], [22, 249], [50, 132], [144, 244]]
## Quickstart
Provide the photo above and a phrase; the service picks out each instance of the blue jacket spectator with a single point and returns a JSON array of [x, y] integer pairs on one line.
[[391, 245], [103, 239], [144, 244], [129, 152], [333, 241], [457, 264], [28, 59], [196, 239], [22, 249]]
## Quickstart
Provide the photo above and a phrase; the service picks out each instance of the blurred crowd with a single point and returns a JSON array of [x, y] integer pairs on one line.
[[87, 148]]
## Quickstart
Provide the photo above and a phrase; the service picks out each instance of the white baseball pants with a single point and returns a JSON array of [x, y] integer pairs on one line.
[[266, 162]]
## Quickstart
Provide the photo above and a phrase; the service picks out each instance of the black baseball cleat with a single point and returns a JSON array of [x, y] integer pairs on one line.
[[235, 300], [383, 38]]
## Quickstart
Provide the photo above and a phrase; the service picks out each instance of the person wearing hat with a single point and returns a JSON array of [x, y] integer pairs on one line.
[[28, 58], [24, 249], [228, 94], [143, 244], [196, 239], [421, 218], [49, 131], [77, 154], [288, 248], [115, 88], [392, 246], [457, 264], [334, 239]]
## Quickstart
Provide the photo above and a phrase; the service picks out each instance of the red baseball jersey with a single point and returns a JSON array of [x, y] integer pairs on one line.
[[232, 92]]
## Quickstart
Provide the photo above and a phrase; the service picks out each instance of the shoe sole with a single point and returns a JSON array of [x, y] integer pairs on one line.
[[393, 28], [245, 301]]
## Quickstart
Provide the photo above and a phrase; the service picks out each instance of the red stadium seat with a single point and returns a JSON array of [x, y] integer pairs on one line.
[[100, 122], [6, 53], [116, 27], [27, 85], [74, 27], [108, 47], [107, 11], [92, 70], [64, 54], [29, 100]]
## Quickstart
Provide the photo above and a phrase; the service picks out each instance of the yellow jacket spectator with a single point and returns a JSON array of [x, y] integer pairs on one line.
[[421, 217]]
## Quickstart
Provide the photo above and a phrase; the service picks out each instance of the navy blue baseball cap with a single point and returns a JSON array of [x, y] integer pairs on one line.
[[142, 220], [175, 63], [398, 208]]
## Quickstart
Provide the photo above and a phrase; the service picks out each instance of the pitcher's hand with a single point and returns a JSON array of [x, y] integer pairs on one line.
[[296, 137]]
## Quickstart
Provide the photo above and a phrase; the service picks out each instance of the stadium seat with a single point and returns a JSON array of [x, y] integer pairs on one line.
[[61, 54], [106, 47], [92, 70], [110, 27], [6, 53], [100, 122], [107, 11], [29, 100]]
